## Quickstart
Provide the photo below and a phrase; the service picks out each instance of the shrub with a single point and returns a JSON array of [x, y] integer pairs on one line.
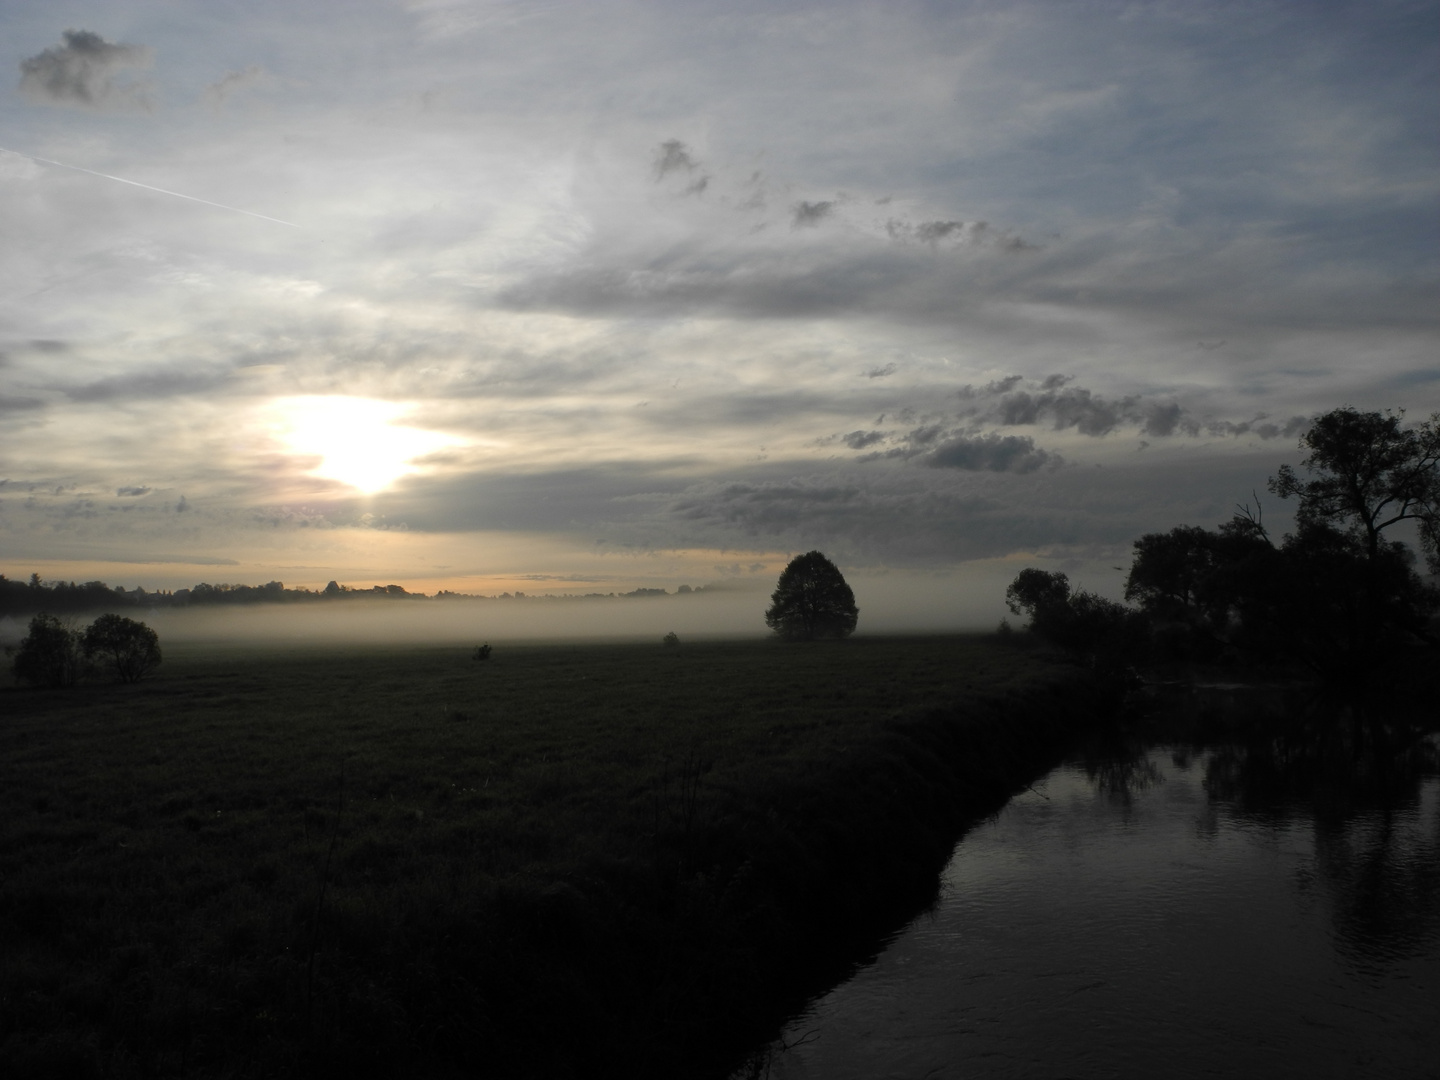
[[131, 649], [671, 640], [49, 655]]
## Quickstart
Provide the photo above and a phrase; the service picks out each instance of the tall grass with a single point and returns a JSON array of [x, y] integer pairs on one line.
[[565, 861]]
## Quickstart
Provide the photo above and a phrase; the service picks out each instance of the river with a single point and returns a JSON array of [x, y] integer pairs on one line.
[[1175, 910]]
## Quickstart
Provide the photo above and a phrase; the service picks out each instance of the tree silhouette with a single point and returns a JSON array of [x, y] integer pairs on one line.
[[811, 600], [1371, 474], [1079, 621], [49, 655], [132, 648]]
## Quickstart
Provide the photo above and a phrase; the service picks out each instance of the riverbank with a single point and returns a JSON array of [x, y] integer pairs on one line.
[[563, 861]]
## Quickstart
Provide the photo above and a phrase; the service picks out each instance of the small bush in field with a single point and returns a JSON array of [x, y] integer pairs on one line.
[[130, 649], [49, 655], [671, 640]]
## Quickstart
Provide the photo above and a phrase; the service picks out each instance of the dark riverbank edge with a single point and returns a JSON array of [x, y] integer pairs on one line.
[[761, 901]]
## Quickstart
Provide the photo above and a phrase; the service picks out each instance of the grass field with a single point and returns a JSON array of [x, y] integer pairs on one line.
[[589, 859]]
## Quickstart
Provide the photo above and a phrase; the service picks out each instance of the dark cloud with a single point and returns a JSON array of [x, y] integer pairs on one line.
[[149, 384], [967, 233], [1162, 419], [991, 453], [881, 372], [672, 156], [858, 440], [909, 517], [1071, 407], [1261, 426], [81, 73], [20, 404], [806, 214], [998, 386], [131, 492], [932, 232]]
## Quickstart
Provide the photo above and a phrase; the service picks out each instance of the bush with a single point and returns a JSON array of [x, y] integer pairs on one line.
[[671, 640], [131, 648], [49, 655]]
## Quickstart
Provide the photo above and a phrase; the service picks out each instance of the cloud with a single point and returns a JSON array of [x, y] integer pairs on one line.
[[997, 386], [858, 440], [20, 404], [81, 74], [132, 492], [1071, 407], [1261, 426], [809, 214], [672, 155], [991, 453], [149, 385], [901, 518], [254, 76], [958, 233], [881, 372]]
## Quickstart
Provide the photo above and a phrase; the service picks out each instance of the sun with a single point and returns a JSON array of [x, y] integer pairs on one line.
[[357, 440]]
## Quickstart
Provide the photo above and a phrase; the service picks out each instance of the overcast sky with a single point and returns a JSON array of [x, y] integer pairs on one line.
[[581, 296]]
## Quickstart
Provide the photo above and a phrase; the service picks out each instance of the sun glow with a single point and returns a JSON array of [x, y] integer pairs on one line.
[[357, 440]]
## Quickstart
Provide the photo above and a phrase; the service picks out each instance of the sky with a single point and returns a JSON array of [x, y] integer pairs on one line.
[[575, 296]]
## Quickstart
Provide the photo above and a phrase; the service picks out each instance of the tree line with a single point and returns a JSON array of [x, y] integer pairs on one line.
[[1338, 598], [68, 598]]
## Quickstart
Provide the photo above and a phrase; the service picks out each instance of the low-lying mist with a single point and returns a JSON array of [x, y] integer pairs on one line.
[[886, 606]]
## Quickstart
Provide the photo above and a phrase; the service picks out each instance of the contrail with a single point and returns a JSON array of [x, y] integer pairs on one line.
[[151, 187]]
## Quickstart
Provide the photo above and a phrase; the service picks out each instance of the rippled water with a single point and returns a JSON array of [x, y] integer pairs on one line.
[[1177, 913]]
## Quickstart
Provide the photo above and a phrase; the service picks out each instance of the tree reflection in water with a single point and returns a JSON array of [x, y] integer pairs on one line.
[[1277, 757], [1377, 834]]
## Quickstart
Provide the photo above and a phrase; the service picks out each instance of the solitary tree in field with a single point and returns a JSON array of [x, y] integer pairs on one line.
[[812, 601], [131, 648]]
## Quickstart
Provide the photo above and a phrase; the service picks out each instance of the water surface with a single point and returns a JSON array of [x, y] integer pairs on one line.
[[1177, 912]]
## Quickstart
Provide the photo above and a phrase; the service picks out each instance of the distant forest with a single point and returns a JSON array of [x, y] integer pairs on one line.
[[66, 597]]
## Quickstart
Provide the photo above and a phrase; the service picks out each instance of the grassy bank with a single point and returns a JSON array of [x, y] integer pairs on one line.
[[564, 861]]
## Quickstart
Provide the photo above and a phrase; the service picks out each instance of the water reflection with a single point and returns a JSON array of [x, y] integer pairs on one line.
[[1253, 905]]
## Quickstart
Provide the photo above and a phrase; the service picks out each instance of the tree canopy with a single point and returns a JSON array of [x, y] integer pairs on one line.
[[131, 648], [812, 600], [1370, 473], [49, 655]]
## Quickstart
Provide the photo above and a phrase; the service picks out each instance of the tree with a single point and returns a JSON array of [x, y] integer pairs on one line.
[[811, 600], [1371, 474], [1043, 597], [131, 648], [1080, 621], [49, 655], [1169, 571]]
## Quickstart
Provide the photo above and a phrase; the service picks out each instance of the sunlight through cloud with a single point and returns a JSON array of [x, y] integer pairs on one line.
[[357, 439]]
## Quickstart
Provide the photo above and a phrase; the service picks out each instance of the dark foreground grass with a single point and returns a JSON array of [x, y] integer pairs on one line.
[[564, 861]]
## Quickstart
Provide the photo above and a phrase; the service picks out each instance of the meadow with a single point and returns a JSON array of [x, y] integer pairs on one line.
[[568, 859]]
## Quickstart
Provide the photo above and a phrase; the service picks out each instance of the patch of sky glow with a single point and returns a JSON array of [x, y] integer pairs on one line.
[[357, 440]]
